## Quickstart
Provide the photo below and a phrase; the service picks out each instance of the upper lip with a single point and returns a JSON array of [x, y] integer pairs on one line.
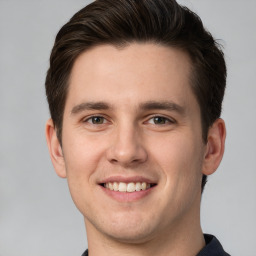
[[127, 179]]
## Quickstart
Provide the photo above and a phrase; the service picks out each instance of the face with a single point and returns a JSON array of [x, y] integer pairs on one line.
[[132, 147]]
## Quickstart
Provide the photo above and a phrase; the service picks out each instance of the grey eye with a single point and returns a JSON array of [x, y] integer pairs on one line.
[[97, 120], [159, 120]]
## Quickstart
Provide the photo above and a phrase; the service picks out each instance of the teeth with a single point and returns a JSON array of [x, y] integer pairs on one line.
[[127, 187], [143, 185], [130, 187], [115, 186], [122, 187], [138, 186]]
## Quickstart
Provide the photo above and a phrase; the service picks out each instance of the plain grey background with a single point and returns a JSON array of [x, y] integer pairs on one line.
[[37, 215]]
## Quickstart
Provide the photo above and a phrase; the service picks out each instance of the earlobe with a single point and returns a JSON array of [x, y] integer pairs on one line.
[[215, 147], [55, 149]]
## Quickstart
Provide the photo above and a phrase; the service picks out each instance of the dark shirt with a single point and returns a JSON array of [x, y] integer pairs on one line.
[[212, 247]]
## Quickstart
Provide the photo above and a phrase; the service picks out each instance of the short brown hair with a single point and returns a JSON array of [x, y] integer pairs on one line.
[[120, 22]]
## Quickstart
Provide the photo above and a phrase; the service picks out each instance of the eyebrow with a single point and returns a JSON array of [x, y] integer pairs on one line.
[[162, 105], [90, 106], [149, 105]]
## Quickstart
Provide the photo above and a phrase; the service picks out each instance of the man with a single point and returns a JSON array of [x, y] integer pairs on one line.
[[135, 91]]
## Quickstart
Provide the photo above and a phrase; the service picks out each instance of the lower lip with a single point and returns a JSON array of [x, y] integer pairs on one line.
[[127, 196]]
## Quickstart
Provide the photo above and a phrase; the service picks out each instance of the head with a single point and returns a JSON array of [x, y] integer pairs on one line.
[[123, 22], [135, 91]]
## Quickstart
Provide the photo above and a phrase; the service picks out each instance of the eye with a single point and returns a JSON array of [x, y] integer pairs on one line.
[[160, 120], [96, 120]]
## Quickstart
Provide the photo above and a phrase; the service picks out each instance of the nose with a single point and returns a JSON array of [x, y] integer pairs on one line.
[[127, 147]]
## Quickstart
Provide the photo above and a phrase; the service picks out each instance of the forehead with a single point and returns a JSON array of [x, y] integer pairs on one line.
[[132, 74]]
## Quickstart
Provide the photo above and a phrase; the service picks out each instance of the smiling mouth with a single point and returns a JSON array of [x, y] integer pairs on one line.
[[127, 187]]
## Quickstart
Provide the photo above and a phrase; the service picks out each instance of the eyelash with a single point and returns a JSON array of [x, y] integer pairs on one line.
[[92, 117], [165, 119]]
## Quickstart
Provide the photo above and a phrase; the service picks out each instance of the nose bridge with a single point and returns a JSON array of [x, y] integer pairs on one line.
[[127, 145]]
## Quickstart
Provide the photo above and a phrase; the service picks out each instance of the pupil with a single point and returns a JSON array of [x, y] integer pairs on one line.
[[159, 120], [97, 120]]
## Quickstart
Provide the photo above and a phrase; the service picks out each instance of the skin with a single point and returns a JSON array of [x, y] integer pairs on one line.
[[133, 138]]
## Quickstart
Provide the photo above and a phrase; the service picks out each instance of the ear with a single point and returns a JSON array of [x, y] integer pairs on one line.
[[55, 149], [215, 147]]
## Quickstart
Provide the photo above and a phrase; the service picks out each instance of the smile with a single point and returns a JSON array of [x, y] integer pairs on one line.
[[127, 187]]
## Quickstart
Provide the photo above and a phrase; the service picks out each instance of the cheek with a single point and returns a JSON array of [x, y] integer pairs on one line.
[[82, 156], [180, 158]]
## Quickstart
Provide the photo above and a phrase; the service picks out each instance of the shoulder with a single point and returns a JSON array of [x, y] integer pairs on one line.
[[213, 247], [85, 253]]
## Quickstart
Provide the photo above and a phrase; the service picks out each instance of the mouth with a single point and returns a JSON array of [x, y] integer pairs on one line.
[[127, 187]]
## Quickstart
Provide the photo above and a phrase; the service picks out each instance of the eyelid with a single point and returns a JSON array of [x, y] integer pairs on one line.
[[86, 119], [168, 119]]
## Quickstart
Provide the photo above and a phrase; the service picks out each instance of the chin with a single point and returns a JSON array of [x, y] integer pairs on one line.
[[130, 235], [131, 229]]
